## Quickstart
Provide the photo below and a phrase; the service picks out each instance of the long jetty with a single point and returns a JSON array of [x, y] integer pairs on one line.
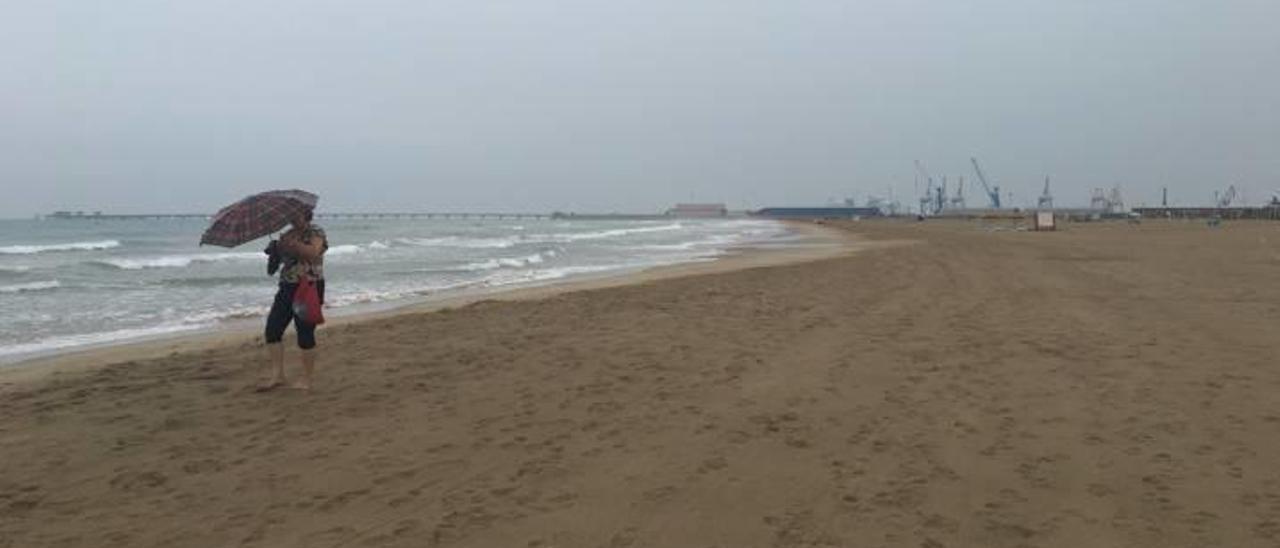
[[97, 216]]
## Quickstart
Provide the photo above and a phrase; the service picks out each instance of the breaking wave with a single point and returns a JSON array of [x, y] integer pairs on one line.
[[176, 261], [33, 286], [47, 248], [605, 234], [509, 262], [71, 341], [458, 241]]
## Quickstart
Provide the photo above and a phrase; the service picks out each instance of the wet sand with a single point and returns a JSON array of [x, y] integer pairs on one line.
[[946, 384]]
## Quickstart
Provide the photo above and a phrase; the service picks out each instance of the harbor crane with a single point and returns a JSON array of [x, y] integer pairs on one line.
[[1225, 199], [1107, 202], [1046, 199], [993, 192], [957, 201], [930, 202], [940, 196]]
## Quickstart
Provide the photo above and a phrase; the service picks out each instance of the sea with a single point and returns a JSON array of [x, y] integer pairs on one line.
[[71, 284]]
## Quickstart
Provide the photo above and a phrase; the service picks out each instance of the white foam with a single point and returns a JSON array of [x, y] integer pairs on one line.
[[683, 246], [456, 241], [529, 277], [501, 279], [627, 247], [74, 246], [346, 249], [184, 261], [509, 262], [15, 269], [33, 286], [370, 296], [352, 249], [605, 234], [70, 341], [239, 312], [177, 261]]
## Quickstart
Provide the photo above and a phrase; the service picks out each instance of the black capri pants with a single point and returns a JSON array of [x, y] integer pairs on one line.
[[282, 313]]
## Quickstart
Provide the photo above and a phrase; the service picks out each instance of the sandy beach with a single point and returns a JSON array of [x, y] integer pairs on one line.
[[933, 385]]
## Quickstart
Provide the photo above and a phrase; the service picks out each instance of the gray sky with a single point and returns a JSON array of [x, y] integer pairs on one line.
[[624, 105]]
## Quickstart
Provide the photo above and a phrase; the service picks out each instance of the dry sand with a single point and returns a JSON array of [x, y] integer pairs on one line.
[[1107, 385]]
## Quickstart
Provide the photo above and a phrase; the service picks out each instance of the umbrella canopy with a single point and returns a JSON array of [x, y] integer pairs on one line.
[[257, 216]]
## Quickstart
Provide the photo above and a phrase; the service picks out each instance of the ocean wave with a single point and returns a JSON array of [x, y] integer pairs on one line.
[[371, 296], [683, 246], [605, 234], [350, 249], [71, 341], [46, 248], [176, 261], [184, 261], [378, 267], [514, 240], [33, 286], [500, 279], [503, 278], [214, 281], [712, 242], [548, 274], [458, 241], [345, 249], [509, 262], [224, 314], [507, 278]]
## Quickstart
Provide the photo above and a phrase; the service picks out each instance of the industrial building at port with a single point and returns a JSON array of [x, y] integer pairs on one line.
[[938, 200]]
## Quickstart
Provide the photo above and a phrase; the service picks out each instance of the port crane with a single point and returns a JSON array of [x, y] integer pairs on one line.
[[993, 192], [940, 196], [931, 201], [957, 201], [1046, 199], [1225, 199]]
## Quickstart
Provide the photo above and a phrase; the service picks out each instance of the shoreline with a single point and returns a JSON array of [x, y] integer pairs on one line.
[[949, 384], [816, 242]]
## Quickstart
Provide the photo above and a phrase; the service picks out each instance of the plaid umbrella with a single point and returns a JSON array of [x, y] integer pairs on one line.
[[257, 216]]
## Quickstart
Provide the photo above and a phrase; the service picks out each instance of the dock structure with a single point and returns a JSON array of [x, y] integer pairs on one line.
[[429, 215], [99, 216], [1269, 212], [699, 211]]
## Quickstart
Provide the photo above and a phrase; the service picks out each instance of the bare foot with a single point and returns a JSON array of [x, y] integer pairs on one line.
[[301, 385], [267, 386]]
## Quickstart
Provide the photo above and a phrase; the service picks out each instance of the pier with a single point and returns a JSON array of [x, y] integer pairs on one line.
[[99, 216]]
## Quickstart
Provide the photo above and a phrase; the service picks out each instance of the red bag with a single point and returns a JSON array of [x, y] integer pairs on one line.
[[306, 302]]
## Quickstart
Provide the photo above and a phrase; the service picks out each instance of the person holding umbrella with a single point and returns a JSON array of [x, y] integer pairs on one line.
[[301, 252]]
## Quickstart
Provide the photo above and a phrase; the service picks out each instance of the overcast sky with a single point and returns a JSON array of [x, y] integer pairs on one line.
[[620, 105]]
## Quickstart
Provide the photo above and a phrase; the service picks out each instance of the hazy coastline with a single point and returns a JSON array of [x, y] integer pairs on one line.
[[801, 240], [73, 284]]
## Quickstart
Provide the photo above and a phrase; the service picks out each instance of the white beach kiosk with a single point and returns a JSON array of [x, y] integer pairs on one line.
[[1045, 220]]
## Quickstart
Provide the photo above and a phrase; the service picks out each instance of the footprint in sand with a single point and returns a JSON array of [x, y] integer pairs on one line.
[[138, 481]]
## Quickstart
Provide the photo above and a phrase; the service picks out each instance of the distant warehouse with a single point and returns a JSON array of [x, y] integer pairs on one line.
[[817, 212], [1268, 212], [698, 210]]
